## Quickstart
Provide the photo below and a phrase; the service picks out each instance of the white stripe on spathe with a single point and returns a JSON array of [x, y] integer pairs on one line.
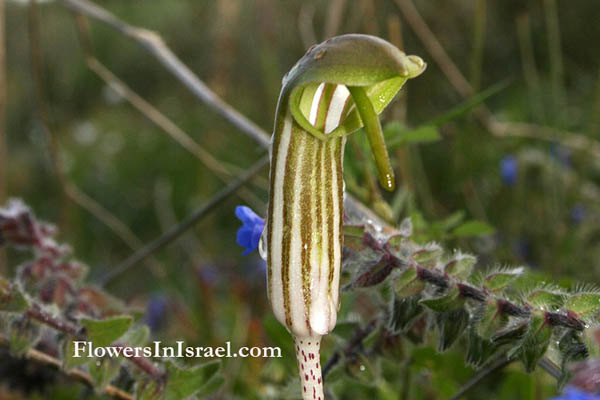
[[276, 295], [314, 107], [336, 107], [295, 292], [324, 302], [337, 245], [319, 318], [340, 100]]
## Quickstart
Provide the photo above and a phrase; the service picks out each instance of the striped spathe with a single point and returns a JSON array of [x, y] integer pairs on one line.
[[305, 216]]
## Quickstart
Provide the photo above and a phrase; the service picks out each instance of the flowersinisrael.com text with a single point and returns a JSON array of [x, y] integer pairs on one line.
[[179, 350]]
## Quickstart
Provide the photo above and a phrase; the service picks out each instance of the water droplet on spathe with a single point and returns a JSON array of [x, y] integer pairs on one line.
[[262, 246]]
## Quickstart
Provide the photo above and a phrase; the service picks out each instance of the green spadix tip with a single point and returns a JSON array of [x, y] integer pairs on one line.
[[387, 180], [374, 135]]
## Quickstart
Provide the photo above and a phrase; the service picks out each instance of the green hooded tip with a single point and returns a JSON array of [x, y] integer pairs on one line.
[[373, 69]]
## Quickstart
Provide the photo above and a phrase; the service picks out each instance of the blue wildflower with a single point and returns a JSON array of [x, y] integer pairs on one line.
[[156, 311], [207, 274], [573, 393], [509, 169], [577, 213], [522, 247], [561, 153], [249, 234]]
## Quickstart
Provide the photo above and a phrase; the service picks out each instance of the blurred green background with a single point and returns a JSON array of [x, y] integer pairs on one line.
[[530, 173]]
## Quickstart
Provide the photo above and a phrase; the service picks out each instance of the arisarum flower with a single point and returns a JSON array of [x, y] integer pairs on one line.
[[336, 88], [248, 235]]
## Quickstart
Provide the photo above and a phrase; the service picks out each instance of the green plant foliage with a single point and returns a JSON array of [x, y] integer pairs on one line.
[[584, 304], [496, 281], [199, 380], [460, 265], [398, 134], [23, 334], [473, 228], [101, 319], [430, 292], [11, 297], [448, 302], [103, 371], [106, 331]]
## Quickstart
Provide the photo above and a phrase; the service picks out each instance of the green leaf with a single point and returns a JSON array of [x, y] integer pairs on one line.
[[24, 334], [451, 325], [448, 302], [346, 387], [104, 332], [336, 372], [353, 237], [148, 389], [469, 104], [278, 336], [512, 333], [423, 134], [572, 346], [69, 359], [398, 135], [361, 369], [103, 371], [428, 255], [452, 220], [519, 385], [406, 227], [11, 297], [213, 384], [536, 341], [382, 208], [183, 383], [548, 299], [399, 202], [345, 329], [372, 273], [357, 231], [490, 320], [373, 337], [479, 350], [584, 304], [405, 283], [137, 336], [461, 266], [497, 281], [473, 228], [396, 243], [404, 311]]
